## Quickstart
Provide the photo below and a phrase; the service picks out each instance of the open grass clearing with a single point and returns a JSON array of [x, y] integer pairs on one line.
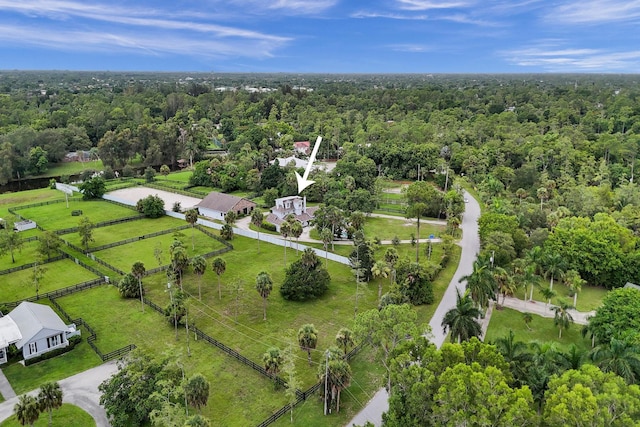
[[57, 216], [57, 275], [67, 415], [239, 396], [8, 200], [589, 298], [124, 256], [72, 168], [27, 254], [387, 229], [126, 230], [181, 176], [542, 330]]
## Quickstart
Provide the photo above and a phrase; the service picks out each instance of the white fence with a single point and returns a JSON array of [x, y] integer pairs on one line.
[[264, 237]]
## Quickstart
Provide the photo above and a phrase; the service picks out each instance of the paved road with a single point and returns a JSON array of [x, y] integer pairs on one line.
[[80, 390], [470, 244]]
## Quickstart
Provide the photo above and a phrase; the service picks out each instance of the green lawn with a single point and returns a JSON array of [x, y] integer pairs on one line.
[[27, 254], [57, 275], [72, 168], [239, 395], [589, 298], [19, 198], [182, 176], [67, 415], [57, 216], [126, 230], [387, 229], [124, 256], [542, 330]]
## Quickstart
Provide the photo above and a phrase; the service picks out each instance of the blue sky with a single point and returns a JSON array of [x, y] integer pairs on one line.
[[322, 36]]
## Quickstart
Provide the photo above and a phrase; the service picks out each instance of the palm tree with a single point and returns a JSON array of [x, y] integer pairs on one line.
[[272, 360], [562, 318], [27, 410], [264, 285], [219, 266], [285, 231], [199, 265], [462, 320], [308, 339], [516, 353], [380, 269], [620, 356], [554, 266], [573, 358], [309, 258], [327, 237], [138, 270], [257, 218], [574, 282], [504, 283], [196, 391], [417, 210], [336, 374], [391, 258], [480, 283], [191, 216], [296, 231], [344, 339], [547, 294], [527, 317], [50, 398]]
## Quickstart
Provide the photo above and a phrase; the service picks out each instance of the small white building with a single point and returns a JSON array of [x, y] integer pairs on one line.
[[291, 205], [24, 225], [41, 330]]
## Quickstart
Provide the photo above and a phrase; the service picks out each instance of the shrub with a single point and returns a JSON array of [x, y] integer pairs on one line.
[[52, 184], [305, 279], [129, 286], [151, 206], [268, 226], [109, 173], [177, 207], [128, 171], [149, 174]]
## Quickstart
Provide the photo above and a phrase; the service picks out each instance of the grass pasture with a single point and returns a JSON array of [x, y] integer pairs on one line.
[[27, 254], [19, 198], [126, 230], [387, 228], [239, 396], [542, 330], [57, 216], [143, 250], [58, 274]]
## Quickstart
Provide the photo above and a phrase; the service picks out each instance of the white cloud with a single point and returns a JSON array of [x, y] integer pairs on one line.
[[287, 7], [386, 15], [595, 11], [412, 48], [552, 57], [429, 4]]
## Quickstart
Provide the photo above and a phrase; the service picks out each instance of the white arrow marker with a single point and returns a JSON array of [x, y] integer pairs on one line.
[[303, 182]]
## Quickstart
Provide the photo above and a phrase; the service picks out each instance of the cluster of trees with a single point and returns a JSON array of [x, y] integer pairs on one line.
[[154, 390], [29, 408], [305, 278], [473, 383]]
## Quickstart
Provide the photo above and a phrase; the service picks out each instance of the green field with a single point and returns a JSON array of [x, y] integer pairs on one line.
[[27, 254], [19, 198], [58, 216], [542, 330], [57, 275], [589, 298], [126, 230], [143, 250]]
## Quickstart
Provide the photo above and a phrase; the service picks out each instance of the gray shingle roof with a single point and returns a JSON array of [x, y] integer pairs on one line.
[[221, 202], [32, 318]]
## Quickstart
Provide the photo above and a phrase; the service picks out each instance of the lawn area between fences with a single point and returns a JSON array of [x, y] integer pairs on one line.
[[9, 200], [239, 396], [57, 216], [57, 275], [542, 330], [125, 230], [67, 415], [26, 255], [143, 250]]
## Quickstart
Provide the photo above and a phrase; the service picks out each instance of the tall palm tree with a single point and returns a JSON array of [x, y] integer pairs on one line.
[[516, 353], [27, 410], [574, 282], [462, 320], [197, 391], [505, 284], [257, 219], [620, 356], [391, 258], [562, 318], [50, 398], [344, 339], [264, 285], [480, 283], [138, 270], [380, 269], [573, 358], [527, 317], [199, 265], [417, 210], [272, 360], [308, 339], [327, 237], [191, 216], [296, 231], [219, 266], [554, 267], [547, 294], [338, 377], [285, 231]]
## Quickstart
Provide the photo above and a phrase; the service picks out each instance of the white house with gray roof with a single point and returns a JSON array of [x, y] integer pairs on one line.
[[39, 327], [217, 205]]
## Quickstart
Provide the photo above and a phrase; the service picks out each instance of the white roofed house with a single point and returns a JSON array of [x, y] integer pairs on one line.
[[9, 334], [295, 205], [41, 329], [217, 205]]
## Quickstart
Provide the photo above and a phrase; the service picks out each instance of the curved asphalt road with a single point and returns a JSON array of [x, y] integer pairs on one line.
[[470, 244]]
